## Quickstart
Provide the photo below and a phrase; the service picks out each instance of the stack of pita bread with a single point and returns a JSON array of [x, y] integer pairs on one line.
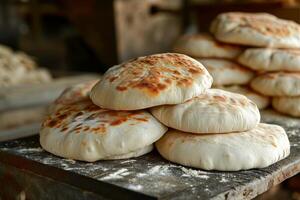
[[130, 108], [273, 52], [18, 68]]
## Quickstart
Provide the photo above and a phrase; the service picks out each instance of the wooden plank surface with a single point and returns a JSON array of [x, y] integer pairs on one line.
[[38, 94], [20, 131], [155, 177]]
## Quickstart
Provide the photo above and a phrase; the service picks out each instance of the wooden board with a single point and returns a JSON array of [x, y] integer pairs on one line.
[[38, 94], [20, 131], [149, 176]]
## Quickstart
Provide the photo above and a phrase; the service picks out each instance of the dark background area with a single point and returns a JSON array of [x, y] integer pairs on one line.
[[93, 35]]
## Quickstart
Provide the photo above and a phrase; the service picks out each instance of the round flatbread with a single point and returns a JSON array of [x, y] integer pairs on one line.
[[76, 93], [256, 148], [19, 68], [40, 75], [150, 81], [83, 131], [287, 105], [10, 74], [216, 111], [261, 59], [205, 46], [256, 29], [277, 84], [225, 72], [260, 100]]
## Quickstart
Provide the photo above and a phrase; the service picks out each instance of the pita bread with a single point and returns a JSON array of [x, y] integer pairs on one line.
[[205, 46], [19, 68], [150, 81], [133, 154], [256, 29], [36, 76], [10, 74], [277, 84], [225, 72], [216, 111], [260, 100], [256, 148], [287, 105], [261, 59], [77, 93], [83, 131]]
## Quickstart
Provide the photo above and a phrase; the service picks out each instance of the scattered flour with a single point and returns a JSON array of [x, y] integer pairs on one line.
[[194, 173], [159, 169], [223, 180], [48, 161], [128, 161], [292, 133], [165, 169], [141, 175], [116, 175], [66, 166], [70, 161], [125, 173], [29, 150], [135, 187]]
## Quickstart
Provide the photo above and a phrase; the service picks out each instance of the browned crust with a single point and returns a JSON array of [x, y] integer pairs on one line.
[[151, 75]]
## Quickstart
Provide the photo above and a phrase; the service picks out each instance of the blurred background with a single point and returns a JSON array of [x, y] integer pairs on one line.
[[93, 35]]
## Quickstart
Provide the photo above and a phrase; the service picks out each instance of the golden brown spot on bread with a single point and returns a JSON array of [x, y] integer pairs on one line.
[[78, 128], [53, 123], [64, 129], [111, 79], [118, 122], [79, 114], [184, 82], [100, 129], [220, 98], [62, 116], [92, 107], [140, 119], [168, 81], [195, 70], [121, 88], [93, 118]]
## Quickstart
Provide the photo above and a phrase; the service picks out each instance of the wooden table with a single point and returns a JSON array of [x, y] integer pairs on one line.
[[27, 170]]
